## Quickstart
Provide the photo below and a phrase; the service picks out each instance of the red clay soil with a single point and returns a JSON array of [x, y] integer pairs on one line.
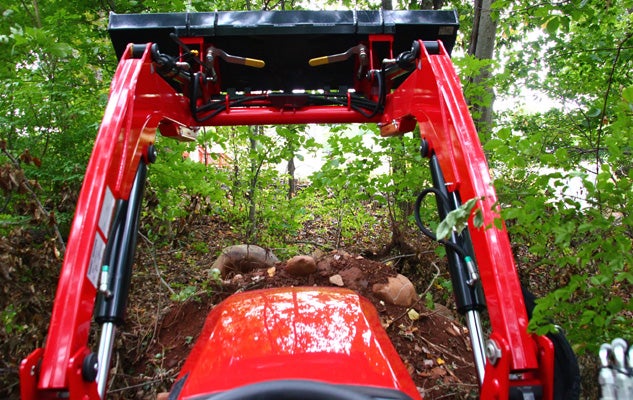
[[435, 347]]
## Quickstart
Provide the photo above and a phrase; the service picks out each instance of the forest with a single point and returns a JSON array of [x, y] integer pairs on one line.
[[549, 85]]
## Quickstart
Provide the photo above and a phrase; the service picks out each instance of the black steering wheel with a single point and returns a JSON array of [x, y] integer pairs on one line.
[[290, 390]]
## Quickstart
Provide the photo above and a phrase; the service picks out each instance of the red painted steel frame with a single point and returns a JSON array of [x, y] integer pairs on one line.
[[141, 101], [432, 95], [135, 108]]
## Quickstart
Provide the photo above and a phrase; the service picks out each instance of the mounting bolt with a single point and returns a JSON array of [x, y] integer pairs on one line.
[[90, 367], [151, 154], [425, 148], [493, 352]]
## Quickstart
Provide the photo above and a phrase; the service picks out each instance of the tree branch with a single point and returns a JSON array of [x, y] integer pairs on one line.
[[603, 113], [152, 249]]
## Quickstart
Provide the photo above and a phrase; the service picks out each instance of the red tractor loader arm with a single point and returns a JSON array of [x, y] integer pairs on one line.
[[178, 72]]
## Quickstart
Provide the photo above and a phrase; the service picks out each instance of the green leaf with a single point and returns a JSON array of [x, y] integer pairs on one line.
[[561, 154], [61, 50], [594, 112], [624, 276], [587, 317], [456, 219], [504, 133], [542, 11], [552, 25], [615, 305], [443, 230], [598, 321], [478, 218], [627, 94]]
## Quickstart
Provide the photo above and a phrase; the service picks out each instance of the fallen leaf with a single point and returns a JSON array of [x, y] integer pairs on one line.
[[413, 315], [271, 271], [410, 368], [453, 331]]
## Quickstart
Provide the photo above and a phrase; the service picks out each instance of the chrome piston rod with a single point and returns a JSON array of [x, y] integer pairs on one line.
[[473, 322], [106, 345]]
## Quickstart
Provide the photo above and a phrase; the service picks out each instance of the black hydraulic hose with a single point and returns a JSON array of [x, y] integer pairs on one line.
[[220, 106], [466, 289], [418, 220], [355, 100], [167, 67], [358, 108], [466, 283], [406, 60], [381, 92], [358, 104]]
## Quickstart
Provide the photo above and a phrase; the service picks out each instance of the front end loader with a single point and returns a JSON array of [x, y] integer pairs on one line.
[[182, 71]]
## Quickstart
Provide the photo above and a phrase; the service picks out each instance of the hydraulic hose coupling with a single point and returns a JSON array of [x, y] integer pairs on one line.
[[472, 271], [104, 281]]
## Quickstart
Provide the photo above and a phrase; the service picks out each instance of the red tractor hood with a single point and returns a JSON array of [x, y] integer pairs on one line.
[[323, 334]]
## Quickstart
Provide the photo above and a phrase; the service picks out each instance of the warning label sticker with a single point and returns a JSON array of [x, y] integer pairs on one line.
[[107, 212], [96, 260]]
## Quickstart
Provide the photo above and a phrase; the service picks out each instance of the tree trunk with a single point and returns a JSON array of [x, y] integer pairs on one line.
[[252, 189], [292, 181], [482, 45]]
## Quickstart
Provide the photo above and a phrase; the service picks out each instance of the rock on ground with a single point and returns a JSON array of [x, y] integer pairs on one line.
[[398, 291], [336, 280], [301, 265], [243, 258], [353, 278]]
